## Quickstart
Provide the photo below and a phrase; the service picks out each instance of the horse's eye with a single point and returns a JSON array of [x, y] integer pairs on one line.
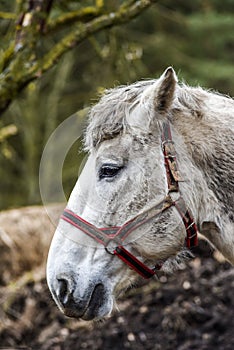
[[108, 171]]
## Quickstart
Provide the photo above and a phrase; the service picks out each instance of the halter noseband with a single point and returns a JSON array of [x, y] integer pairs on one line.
[[115, 236]]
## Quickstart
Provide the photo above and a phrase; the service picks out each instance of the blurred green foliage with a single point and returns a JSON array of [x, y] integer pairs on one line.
[[195, 37]]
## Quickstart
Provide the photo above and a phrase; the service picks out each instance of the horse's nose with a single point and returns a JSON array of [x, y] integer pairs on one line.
[[73, 304]]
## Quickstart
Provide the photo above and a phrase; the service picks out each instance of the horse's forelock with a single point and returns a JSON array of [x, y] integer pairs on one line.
[[108, 117]]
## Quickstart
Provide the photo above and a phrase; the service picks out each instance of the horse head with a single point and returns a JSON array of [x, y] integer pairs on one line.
[[123, 179]]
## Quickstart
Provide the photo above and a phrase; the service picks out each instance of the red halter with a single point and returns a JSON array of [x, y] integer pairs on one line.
[[117, 235]]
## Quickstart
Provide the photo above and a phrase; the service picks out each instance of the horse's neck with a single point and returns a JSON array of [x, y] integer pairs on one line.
[[208, 163], [211, 149]]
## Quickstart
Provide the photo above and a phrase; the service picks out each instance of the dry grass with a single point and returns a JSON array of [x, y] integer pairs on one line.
[[25, 235]]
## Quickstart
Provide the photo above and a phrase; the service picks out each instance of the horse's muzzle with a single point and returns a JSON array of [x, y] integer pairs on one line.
[[89, 306]]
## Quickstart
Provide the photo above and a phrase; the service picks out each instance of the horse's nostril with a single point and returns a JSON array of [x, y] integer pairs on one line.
[[64, 291]]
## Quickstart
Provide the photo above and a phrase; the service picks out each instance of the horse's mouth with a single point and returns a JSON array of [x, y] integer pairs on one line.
[[95, 307], [95, 303]]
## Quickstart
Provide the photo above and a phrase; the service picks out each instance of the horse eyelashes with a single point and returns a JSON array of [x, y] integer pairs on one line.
[[108, 171]]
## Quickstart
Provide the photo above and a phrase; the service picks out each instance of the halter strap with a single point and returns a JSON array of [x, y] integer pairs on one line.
[[116, 235], [170, 160]]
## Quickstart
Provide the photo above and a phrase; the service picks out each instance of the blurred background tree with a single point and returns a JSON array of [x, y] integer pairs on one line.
[[196, 38]]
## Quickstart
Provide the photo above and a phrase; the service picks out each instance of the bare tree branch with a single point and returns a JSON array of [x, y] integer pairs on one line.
[[82, 15], [81, 32], [23, 65]]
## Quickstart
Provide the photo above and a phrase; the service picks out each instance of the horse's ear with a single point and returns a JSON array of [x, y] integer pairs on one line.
[[156, 97], [164, 90]]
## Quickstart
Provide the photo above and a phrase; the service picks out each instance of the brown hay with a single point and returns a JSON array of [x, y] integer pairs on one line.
[[25, 235]]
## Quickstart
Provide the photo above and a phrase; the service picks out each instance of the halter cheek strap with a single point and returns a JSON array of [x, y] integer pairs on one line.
[[173, 179], [117, 235]]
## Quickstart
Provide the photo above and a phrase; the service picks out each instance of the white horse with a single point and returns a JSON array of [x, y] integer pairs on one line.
[[143, 140]]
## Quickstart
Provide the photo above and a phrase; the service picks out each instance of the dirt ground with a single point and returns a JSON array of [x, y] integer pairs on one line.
[[192, 309]]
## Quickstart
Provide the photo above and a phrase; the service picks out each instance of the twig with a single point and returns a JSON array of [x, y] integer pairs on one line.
[[7, 15], [82, 15], [82, 31]]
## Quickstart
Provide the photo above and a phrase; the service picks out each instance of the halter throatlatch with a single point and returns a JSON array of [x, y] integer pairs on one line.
[[115, 236]]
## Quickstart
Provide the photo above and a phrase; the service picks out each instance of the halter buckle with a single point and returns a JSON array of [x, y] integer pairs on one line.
[[110, 249]]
